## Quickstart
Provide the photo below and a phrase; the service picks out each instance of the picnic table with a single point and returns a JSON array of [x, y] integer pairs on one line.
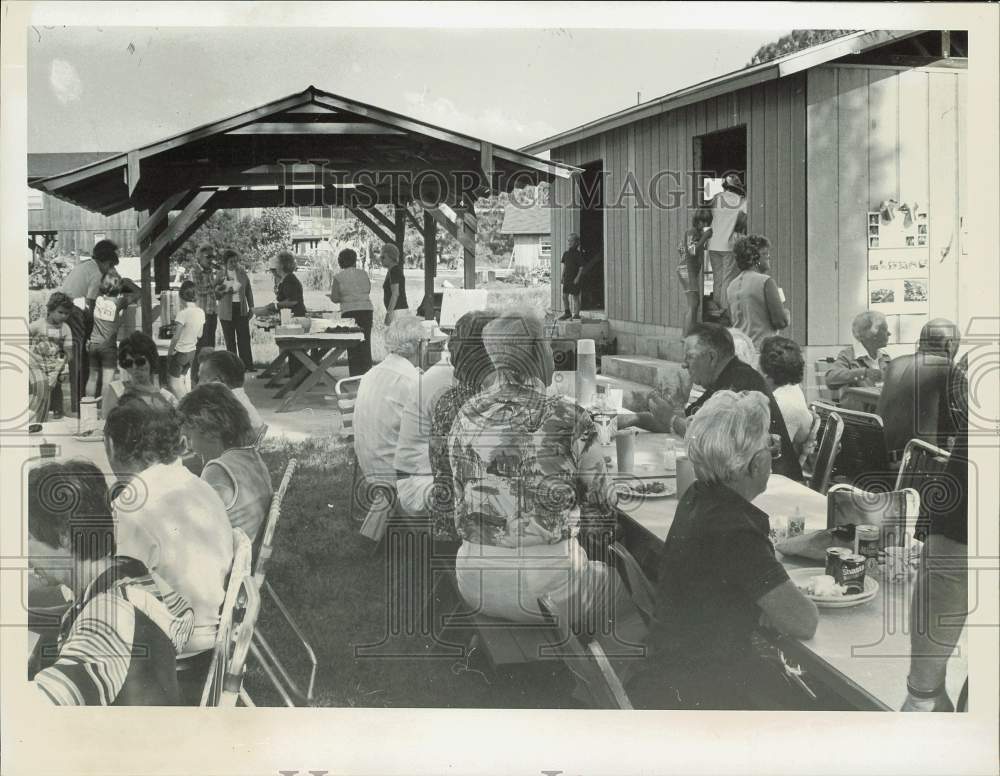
[[861, 653], [318, 353]]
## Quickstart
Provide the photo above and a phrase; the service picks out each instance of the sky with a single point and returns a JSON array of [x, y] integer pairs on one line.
[[117, 88]]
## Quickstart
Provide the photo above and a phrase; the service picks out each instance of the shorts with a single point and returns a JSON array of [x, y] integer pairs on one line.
[[571, 289], [103, 356], [180, 363]]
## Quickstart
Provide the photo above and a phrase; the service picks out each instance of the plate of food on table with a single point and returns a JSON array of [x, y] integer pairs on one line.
[[835, 590]]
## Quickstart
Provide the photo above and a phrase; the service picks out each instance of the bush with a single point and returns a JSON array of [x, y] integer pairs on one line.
[[48, 271]]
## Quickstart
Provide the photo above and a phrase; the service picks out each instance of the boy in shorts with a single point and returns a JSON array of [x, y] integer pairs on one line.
[[188, 327], [116, 293]]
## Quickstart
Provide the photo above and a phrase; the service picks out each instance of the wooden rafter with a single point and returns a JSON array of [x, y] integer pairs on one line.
[[178, 225], [313, 128], [149, 224], [375, 227]]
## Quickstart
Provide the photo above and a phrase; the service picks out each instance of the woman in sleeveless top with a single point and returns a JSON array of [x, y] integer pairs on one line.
[[755, 305], [217, 427], [137, 363]]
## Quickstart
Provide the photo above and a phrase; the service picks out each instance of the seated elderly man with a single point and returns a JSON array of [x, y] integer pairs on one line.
[[719, 575], [166, 517], [221, 366], [917, 396], [528, 475], [862, 363], [383, 394], [118, 643], [217, 427], [710, 357]]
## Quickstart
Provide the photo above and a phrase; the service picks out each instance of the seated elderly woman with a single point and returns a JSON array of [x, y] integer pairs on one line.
[[119, 641], [139, 365], [783, 367], [218, 428], [718, 574], [383, 394], [221, 366], [528, 475], [862, 363], [166, 517]]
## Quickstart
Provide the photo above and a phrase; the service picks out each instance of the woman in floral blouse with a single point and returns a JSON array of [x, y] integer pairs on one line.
[[527, 475]]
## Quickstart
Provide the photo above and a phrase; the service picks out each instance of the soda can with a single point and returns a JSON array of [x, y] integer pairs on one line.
[[834, 556], [851, 573], [866, 540]]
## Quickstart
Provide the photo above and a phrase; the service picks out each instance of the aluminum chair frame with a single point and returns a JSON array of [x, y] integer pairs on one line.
[[343, 397], [855, 421], [859, 496], [826, 454], [261, 649], [909, 456]]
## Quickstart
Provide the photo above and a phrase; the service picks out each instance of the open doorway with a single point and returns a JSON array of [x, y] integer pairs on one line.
[[719, 153], [592, 235]]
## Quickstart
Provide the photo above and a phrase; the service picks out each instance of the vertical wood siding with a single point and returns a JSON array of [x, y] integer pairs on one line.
[[77, 226], [876, 134], [641, 242]]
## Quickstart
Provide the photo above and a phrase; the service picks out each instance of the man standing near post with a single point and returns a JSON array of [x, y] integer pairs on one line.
[[204, 275], [573, 265], [84, 283]]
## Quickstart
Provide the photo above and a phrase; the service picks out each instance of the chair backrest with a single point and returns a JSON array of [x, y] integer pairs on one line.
[[267, 542], [590, 664], [921, 460], [862, 443], [259, 440], [826, 453], [829, 395], [241, 595], [347, 394], [859, 399], [895, 512]]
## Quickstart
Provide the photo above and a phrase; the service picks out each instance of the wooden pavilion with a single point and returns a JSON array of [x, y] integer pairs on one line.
[[309, 149]]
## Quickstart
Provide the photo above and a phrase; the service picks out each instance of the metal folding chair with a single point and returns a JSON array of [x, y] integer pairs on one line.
[[260, 648], [589, 664], [346, 391], [923, 468], [238, 617], [259, 439], [895, 512], [863, 454], [826, 453], [639, 587]]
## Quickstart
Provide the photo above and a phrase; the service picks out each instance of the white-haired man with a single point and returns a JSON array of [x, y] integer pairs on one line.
[[719, 576], [863, 362], [383, 395]]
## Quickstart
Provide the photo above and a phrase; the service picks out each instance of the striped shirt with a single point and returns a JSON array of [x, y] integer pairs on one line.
[[204, 286]]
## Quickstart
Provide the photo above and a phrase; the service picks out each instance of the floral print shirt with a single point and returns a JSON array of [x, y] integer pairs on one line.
[[446, 409], [521, 471]]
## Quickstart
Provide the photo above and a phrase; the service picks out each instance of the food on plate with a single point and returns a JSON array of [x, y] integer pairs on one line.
[[648, 488], [822, 586]]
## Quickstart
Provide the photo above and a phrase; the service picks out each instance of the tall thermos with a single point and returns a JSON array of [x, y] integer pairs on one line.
[[586, 372]]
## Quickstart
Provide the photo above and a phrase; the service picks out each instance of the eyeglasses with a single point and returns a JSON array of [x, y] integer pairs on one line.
[[128, 363]]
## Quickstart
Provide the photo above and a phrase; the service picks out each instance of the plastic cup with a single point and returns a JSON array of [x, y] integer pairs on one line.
[[685, 474], [625, 441]]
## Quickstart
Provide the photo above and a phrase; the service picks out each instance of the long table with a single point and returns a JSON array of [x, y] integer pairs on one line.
[[292, 348], [861, 653]]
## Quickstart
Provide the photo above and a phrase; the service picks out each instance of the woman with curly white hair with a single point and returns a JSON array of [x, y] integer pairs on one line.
[[719, 577], [382, 397]]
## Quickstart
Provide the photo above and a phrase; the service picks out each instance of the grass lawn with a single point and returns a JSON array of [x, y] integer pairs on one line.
[[326, 574]]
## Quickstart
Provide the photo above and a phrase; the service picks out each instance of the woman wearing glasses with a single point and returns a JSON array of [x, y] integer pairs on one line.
[[138, 364]]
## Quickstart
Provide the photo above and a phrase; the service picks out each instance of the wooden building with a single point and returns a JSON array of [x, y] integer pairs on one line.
[[531, 229], [73, 228], [822, 138]]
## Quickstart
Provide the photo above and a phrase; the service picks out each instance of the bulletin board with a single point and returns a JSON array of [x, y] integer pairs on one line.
[[898, 263]]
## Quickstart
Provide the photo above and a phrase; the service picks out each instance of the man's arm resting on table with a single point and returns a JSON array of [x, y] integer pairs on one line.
[[789, 612]]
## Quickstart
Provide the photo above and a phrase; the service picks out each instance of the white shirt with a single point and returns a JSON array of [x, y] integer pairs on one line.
[[378, 413], [193, 319], [861, 355], [255, 419], [792, 403], [176, 524], [412, 450], [726, 209]]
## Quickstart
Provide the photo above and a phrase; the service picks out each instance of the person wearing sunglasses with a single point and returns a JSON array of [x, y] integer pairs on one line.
[[719, 577], [138, 365]]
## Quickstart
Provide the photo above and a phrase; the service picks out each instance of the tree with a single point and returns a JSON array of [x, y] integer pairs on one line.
[[255, 238], [796, 40]]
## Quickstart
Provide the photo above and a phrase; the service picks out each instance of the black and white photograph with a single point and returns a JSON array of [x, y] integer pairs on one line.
[[484, 374]]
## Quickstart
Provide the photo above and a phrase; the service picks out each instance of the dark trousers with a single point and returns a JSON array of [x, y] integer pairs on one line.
[[359, 358], [237, 336], [206, 340], [79, 369]]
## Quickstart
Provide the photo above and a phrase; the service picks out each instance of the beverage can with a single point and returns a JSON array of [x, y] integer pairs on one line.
[[851, 573], [834, 556], [866, 540]]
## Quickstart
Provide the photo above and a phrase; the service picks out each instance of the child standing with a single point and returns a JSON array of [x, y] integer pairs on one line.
[[52, 341], [116, 293], [188, 327], [689, 271]]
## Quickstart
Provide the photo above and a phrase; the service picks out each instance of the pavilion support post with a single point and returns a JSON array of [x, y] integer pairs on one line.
[[399, 229], [430, 263], [466, 236], [152, 224]]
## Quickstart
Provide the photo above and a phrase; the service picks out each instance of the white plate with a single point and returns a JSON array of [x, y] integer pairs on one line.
[[626, 487], [96, 437], [801, 577]]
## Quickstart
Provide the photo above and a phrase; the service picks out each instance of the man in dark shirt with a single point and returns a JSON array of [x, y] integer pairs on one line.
[[710, 357], [718, 574], [915, 402], [572, 264], [394, 287]]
